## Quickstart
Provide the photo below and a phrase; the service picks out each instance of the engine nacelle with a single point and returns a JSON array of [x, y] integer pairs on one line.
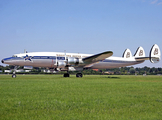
[[73, 61], [61, 64]]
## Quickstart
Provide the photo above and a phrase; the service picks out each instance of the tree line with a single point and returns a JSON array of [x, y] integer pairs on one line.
[[113, 71]]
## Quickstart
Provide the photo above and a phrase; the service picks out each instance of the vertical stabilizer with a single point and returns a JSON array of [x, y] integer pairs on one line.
[[127, 54], [155, 54], [140, 52]]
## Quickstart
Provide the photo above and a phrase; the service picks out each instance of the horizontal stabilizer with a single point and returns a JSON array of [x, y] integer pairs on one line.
[[97, 57], [127, 54], [142, 58], [155, 54]]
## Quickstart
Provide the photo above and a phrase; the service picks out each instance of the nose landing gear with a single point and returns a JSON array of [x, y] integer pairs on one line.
[[13, 75], [14, 72]]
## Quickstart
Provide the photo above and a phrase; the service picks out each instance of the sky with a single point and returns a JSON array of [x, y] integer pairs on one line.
[[80, 26]]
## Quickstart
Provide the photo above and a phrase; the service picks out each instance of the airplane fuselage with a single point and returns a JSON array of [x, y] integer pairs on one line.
[[50, 59]]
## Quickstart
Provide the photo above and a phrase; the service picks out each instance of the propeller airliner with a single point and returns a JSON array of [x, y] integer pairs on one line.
[[61, 61]]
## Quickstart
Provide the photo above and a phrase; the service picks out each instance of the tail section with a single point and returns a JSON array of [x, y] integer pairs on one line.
[[127, 54], [139, 52], [155, 54]]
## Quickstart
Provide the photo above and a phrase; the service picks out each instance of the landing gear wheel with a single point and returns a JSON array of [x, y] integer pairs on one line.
[[14, 76], [66, 75], [79, 75]]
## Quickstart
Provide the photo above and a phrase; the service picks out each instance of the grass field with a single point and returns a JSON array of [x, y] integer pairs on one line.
[[94, 97]]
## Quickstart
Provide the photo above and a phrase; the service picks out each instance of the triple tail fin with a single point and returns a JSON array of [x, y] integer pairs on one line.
[[127, 54], [139, 52]]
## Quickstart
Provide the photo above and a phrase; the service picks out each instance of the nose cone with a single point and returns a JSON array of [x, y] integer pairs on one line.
[[2, 61]]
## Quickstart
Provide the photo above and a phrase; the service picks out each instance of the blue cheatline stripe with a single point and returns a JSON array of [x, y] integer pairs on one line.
[[43, 57], [12, 58], [35, 57], [46, 57], [119, 61], [8, 58]]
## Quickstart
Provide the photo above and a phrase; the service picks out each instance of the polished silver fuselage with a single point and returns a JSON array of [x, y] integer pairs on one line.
[[51, 59]]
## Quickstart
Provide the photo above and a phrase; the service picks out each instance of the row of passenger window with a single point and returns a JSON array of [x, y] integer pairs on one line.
[[60, 58], [43, 57], [48, 57]]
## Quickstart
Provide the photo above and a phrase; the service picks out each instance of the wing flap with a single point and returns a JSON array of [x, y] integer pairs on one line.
[[97, 57]]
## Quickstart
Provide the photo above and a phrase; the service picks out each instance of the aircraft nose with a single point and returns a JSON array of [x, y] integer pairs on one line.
[[2, 61]]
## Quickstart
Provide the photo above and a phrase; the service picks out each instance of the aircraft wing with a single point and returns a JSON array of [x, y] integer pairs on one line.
[[97, 57]]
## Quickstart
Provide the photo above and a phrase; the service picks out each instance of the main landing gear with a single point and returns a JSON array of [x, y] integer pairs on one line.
[[77, 75], [66, 75]]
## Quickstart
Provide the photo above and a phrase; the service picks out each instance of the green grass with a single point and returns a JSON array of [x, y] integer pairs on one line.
[[94, 97]]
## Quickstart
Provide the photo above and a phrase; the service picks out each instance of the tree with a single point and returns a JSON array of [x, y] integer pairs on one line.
[[132, 70]]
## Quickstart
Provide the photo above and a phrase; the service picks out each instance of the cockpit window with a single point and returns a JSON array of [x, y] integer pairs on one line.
[[14, 56]]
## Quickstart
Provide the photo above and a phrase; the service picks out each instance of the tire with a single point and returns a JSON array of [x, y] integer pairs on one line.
[[14, 76], [79, 75], [66, 75]]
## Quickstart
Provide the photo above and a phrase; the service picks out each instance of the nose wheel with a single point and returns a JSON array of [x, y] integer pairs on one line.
[[13, 75], [14, 72]]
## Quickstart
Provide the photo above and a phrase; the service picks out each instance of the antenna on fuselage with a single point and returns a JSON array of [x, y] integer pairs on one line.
[[25, 51], [65, 54]]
